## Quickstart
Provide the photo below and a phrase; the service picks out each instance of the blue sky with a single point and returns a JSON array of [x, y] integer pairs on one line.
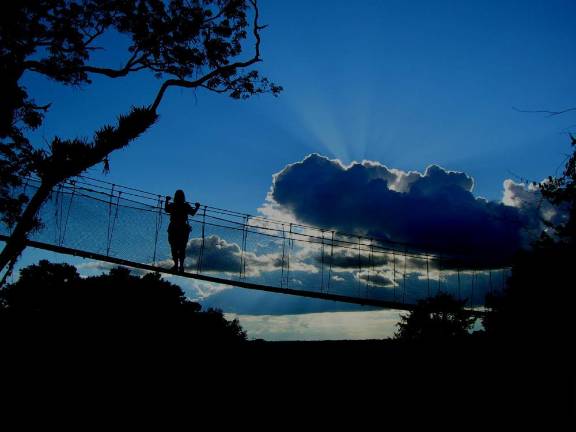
[[403, 83]]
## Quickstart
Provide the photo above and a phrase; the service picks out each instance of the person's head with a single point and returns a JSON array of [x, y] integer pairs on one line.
[[179, 197]]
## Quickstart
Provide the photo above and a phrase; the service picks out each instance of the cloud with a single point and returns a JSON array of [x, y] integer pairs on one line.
[[198, 290], [97, 267], [435, 209], [222, 256], [321, 326], [349, 259], [377, 278], [529, 200]]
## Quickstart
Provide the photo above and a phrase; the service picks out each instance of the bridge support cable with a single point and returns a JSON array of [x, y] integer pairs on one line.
[[459, 289], [290, 251], [472, 288], [202, 244], [322, 263], [110, 198], [428, 275], [67, 218], [371, 283], [394, 273], [439, 276], [157, 227], [58, 198], [112, 217], [331, 261], [282, 262], [244, 244], [404, 279], [359, 266]]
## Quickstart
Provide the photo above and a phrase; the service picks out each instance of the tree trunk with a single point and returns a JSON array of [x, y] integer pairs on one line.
[[17, 241], [61, 165]]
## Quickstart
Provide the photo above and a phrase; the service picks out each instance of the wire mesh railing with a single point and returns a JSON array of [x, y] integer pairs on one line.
[[121, 222]]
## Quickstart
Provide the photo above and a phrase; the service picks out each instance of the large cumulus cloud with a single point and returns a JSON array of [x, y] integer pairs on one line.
[[220, 255], [435, 210]]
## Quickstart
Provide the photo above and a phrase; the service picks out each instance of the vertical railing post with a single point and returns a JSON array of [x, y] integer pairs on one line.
[[439, 274], [371, 271], [244, 245], [330, 262], [459, 286], [109, 229], [112, 223], [394, 271], [322, 262], [290, 247], [472, 289], [157, 227], [359, 266], [404, 278], [202, 245], [428, 274], [282, 262], [58, 210], [63, 234]]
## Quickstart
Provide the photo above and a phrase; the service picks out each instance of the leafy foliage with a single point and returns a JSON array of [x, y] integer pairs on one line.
[[436, 318], [561, 191], [54, 295], [539, 297]]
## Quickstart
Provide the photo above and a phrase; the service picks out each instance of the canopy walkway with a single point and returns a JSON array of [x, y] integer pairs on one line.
[[118, 225]]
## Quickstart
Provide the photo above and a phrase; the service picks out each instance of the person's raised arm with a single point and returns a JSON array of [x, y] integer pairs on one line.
[[194, 210], [167, 205]]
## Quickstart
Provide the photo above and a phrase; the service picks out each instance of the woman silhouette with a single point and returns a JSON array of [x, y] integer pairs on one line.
[[178, 229]]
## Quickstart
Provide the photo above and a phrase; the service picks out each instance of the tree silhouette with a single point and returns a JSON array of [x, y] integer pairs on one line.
[[538, 300], [435, 318], [190, 44], [54, 298]]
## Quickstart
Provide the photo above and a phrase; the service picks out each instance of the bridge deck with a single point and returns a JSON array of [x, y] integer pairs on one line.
[[230, 282]]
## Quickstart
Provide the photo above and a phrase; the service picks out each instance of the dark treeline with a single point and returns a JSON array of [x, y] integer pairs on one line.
[[52, 304]]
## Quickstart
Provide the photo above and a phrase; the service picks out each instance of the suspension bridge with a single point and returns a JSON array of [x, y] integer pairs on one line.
[[123, 226]]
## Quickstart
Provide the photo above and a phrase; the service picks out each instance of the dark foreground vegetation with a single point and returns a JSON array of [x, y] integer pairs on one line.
[[52, 303], [140, 332]]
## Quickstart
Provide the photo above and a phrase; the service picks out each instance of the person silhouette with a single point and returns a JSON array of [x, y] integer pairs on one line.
[[178, 229]]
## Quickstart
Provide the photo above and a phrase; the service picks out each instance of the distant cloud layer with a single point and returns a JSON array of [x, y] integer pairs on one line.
[[436, 208], [321, 326]]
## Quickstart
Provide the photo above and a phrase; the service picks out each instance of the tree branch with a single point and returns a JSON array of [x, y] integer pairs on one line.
[[200, 81], [550, 113], [85, 44], [37, 66], [93, 37], [218, 15], [117, 73]]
